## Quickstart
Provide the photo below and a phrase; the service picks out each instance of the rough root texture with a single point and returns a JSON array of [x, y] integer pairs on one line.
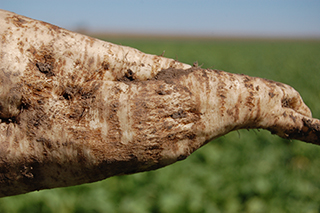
[[74, 109]]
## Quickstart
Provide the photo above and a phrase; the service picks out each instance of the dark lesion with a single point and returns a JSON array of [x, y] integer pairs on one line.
[[46, 65], [289, 102], [179, 114], [129, 76], [45, 68]]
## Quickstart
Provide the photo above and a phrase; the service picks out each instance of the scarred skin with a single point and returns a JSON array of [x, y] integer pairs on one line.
[[75, 109]]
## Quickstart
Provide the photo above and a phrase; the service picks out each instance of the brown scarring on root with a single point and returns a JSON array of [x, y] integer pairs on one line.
[[75, 109]]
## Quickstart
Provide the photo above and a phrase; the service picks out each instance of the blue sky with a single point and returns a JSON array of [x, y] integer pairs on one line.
[[285, 18]]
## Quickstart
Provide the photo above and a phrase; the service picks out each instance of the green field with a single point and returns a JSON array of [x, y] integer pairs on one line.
[[244, 171]]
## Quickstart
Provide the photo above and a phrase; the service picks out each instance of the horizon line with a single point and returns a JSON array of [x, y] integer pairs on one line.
[[155, 35]]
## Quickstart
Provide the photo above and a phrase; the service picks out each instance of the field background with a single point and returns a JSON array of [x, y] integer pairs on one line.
[[244, 171]]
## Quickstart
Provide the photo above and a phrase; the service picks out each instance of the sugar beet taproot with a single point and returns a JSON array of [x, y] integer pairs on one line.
[[75, 109]]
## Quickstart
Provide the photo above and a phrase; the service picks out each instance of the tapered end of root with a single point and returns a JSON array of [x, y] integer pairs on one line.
[[304, 129], [310, 131], [293, 119]]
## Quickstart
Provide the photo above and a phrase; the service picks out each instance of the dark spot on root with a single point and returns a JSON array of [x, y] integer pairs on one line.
[[246, 79], [105, 65], [128, 76], [114, 107], [9, 120], [271, 94], [161, 92], [289, 103], [44, 61], [171, 136], [179, 114], [45, 68], [191, 136], [68, 93]]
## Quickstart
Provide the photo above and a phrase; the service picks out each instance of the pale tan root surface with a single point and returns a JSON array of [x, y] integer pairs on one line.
[[75, 109]]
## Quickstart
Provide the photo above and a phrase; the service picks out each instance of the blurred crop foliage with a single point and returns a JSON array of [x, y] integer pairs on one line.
[[244, 171]]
